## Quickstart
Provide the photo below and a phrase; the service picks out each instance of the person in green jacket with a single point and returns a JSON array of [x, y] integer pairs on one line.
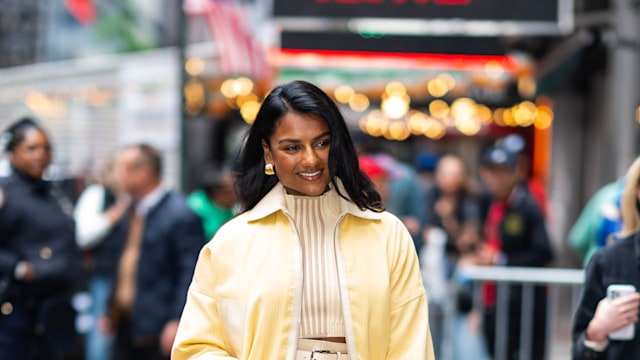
[[594, 225], [214, 201]]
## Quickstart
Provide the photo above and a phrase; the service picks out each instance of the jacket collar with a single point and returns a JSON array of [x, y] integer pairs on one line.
[[636, 241], [151, 200], [274, 201], [37, 185]]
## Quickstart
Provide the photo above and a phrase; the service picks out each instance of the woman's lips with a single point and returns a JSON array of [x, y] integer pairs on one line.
[[311, 175]]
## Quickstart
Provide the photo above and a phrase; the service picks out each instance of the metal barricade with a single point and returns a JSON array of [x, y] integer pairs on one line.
[[555, 280]]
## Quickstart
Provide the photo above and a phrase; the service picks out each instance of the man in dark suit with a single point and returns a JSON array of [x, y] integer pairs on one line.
[[161, 239]]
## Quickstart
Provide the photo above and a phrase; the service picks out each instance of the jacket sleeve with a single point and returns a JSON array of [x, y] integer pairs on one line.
[[410, 334], [200, 332], [92, 223], [188, 240], [8, 259], [593, 291]]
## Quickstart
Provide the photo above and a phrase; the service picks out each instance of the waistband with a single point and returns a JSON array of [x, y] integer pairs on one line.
[[321, 350]]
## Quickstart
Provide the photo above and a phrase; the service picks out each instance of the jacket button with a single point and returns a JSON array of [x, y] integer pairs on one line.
[[45, 253], [39, 329], [6, 308]]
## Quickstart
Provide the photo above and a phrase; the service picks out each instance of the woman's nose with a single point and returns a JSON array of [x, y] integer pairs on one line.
[[310, 157]]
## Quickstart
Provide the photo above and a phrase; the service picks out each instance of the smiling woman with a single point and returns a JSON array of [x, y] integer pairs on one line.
[[299, 151], [299, 121], [288, 278]]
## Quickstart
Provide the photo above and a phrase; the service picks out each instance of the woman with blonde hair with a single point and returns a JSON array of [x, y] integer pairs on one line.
[[597, 315], [629, 202]]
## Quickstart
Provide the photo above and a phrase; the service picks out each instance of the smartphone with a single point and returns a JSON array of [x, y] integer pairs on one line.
[[616, 291]]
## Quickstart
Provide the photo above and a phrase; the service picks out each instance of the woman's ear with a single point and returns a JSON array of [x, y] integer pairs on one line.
[[268, 158]]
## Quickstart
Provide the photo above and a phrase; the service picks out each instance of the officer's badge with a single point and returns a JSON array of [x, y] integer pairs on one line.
[[514, 225], [3, 197]]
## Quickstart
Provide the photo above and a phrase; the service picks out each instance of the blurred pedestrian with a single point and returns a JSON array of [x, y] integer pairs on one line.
[[452, 228], [597, 316], [313, 267], [40, 266], [403, 200], [425, 164], [515, 235], [376, 174], [452, 205], [598, 222], [162, 240], [100, 207], [214, 201], [517, 145]]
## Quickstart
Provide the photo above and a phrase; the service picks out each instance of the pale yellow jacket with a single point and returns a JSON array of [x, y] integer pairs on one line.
[[245, 298]]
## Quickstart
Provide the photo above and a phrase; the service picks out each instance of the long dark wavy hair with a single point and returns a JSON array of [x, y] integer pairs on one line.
[[306, 99]]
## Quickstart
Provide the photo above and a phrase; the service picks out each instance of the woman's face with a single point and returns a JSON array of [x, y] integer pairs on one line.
[[32, 155], [299, 152]]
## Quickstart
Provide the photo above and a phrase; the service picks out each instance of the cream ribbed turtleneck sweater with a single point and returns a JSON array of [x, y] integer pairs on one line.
[[316, 219]]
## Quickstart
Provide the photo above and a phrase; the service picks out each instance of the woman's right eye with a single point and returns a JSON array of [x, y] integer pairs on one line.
[[291, 148]]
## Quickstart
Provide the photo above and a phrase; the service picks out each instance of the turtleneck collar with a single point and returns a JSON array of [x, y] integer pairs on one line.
[[329, 201], [38, 185], [274, 201]]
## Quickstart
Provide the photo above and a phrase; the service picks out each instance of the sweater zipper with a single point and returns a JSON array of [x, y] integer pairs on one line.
[[297, 300], [344, 301]]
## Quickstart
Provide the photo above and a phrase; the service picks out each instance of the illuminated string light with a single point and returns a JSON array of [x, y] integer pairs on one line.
[[359, 102], [249, 111], [437, 87], [194, 66], [396, 106], [343, 93], [395, 88], [494, 69], [435, 130], [417, 122]]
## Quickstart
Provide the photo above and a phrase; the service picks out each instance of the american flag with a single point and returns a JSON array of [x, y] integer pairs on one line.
[[239, 52]]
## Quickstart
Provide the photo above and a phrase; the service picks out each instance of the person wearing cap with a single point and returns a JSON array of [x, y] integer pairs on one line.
[[516, 144], [515, 234], [376, 173]]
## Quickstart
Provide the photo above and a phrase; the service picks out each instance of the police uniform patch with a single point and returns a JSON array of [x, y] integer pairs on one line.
[[514, 225], [3, 197]]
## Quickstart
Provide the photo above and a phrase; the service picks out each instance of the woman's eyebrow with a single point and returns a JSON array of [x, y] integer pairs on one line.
[[298, 140]]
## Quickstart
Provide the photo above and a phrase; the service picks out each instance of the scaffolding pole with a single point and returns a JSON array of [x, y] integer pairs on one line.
[[625, 83]]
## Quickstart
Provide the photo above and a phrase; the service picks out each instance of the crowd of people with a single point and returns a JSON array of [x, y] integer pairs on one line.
[[312, 246]]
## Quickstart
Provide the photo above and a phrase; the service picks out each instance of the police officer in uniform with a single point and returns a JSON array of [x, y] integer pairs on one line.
[[39, 261]]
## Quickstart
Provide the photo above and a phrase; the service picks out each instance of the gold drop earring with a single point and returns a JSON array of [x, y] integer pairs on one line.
[[268, 169]]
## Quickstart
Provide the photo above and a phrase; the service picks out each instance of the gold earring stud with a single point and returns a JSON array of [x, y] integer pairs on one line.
[[268, 170]]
